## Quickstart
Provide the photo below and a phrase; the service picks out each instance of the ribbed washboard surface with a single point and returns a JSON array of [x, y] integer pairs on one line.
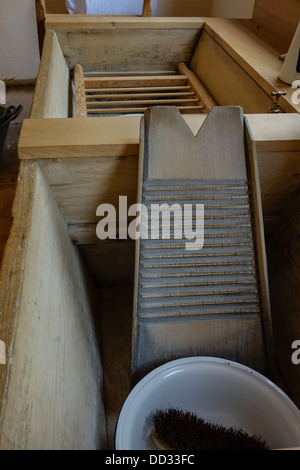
[[189, 299], [218, 279]]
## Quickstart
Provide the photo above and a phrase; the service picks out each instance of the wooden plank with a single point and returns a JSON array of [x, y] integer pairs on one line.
[[129, 109], [40, 11], [236, 87], [275, 132], [111, 50], [138, 102], [59, 138], [179, 88], [80, 185], [147, 8], [278, 176], [91, 22], [119, 73], [47, 314], [86, 233], [51, 95], [261, 257], [260, 60], [52, 138], [110, 94], [197, 87], [276, 138], [80, 101], [139, 81]]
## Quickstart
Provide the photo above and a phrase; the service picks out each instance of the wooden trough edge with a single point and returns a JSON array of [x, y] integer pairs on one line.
[[119, 136]]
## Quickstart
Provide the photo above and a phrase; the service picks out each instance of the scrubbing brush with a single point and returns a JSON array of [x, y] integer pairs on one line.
[[174, 429]]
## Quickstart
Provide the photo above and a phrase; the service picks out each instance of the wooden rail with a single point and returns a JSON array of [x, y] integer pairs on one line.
[[99, 94]]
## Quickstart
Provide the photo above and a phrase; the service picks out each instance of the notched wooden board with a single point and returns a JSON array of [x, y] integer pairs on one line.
[[213, 300]]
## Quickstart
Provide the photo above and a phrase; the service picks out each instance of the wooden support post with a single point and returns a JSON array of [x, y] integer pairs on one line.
[[80, 101], [147, 8], [199, 90], [40, 10]]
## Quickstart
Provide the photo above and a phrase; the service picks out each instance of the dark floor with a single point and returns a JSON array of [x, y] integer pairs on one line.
[[9, 167]]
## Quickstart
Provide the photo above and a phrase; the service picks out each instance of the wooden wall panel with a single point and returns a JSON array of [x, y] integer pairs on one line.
[[280, 17], [225, 80], [51, 385], [128, 49], [52, 91], [80, 185]]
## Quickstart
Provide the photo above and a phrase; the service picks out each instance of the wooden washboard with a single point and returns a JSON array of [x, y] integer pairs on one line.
[[213, 301]]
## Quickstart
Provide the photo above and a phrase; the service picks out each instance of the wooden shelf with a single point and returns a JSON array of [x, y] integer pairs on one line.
[[99, 94], [256, 51]]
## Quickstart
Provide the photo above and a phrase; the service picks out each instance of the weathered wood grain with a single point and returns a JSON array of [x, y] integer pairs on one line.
[[222, 284], [80, 100], [52, 91], [132, 49], [47, 303]]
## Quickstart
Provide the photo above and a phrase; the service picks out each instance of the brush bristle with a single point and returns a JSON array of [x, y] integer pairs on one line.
[[186, 431]]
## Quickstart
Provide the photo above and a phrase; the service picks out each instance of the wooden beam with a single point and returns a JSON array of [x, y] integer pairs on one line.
[[80, 100], [40, 11], [128, 110], [198, 88], [178, 94], [88, 22], [251, 53], [147, 8], [145, 89], [86, 137], [139, 81], [51, 94], [119, 136], [52, 362]]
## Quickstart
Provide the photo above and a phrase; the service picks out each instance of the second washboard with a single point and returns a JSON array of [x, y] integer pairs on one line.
[[214, 300]]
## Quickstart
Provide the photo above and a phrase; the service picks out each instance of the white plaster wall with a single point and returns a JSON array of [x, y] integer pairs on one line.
[[19, 54]]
